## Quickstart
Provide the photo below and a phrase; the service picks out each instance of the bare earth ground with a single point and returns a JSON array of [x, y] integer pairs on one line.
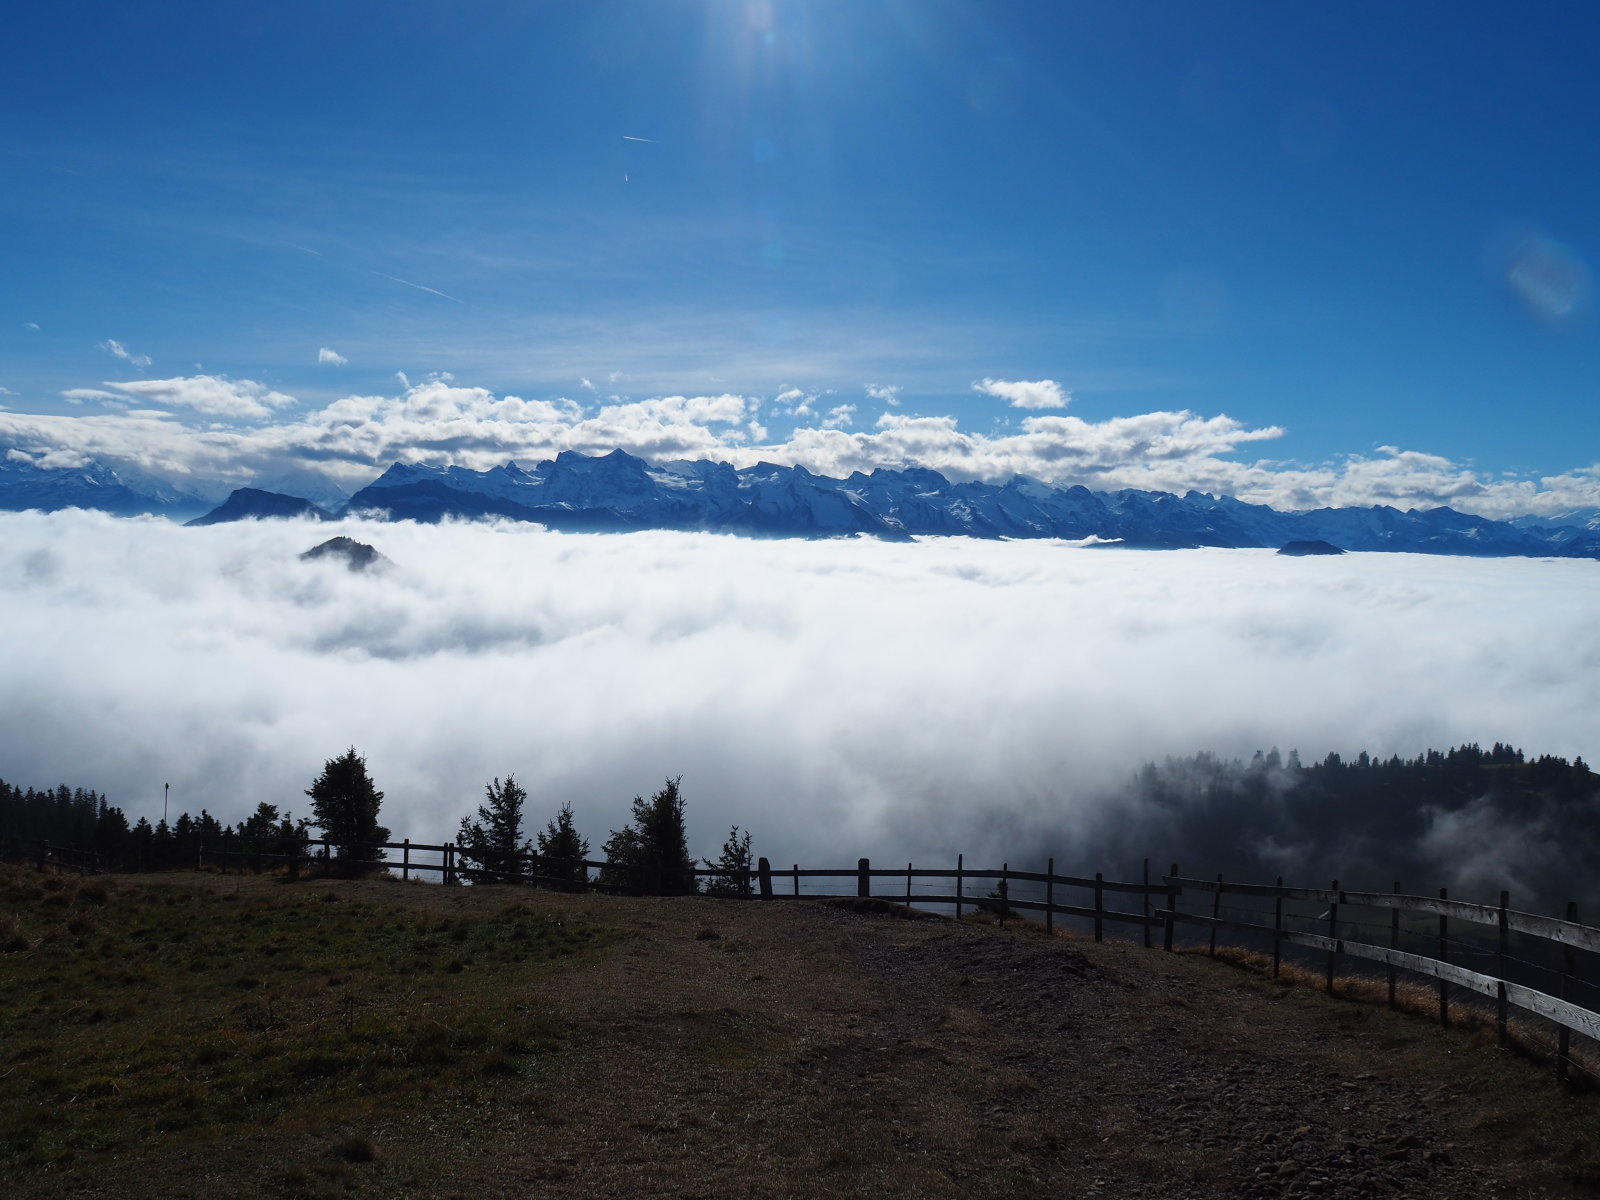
[[806, 1048]]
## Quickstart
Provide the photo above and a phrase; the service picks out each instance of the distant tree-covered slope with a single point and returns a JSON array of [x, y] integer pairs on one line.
[[1467, 818]]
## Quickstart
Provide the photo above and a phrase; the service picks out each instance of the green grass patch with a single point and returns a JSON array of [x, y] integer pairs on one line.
[[144, 1012]]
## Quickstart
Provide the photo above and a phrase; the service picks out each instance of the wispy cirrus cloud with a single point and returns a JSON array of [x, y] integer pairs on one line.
[[420, 287], [117, 350]]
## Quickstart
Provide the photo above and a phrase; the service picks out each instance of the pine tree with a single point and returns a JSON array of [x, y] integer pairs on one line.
[[344, 805], [491, 846], [735, 859], [651, 855], [562, 851]]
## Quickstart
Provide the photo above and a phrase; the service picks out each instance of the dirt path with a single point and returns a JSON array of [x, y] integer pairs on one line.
[[1186, 1078], [811, 1049]]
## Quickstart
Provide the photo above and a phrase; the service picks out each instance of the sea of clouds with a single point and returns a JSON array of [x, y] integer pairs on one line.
[[837, 698]]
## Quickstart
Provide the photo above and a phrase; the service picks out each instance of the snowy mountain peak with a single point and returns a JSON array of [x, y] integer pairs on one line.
[[619, 491]]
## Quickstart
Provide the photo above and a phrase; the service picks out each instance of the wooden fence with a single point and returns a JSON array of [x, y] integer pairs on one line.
[[962, 888], [1344, 909]]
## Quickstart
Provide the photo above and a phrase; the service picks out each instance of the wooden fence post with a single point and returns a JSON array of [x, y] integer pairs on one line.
[[1005, 892], [1172, 907], [1333, 935], [863, 879], [1145, 904], [764, 871], [1502, 1005], [405, 861], [1277, 930], [908, 885], [958, 886], [1569, 962], [1444, 957], [1216, 915], [1050, 896], [796, 879], [1099, 905], [1394, 944]]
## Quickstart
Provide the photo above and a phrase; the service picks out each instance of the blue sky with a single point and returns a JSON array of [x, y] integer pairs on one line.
[[1300, 253]]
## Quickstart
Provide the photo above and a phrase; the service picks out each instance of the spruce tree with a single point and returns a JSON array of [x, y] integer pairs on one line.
[[735, 862], [562, 851], [491, 845], [344, 805], [651, 854]]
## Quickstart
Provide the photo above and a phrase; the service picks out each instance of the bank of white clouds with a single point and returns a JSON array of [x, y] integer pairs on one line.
[[236, 431], [837, 698]]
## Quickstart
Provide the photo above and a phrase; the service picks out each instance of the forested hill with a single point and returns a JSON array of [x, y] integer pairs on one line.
[[1466, 818], [82, 820]]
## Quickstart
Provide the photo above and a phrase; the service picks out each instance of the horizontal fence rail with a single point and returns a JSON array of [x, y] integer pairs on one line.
[[1344, 910]]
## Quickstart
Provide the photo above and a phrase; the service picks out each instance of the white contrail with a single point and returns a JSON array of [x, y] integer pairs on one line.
[[628, 138], [418, 286]]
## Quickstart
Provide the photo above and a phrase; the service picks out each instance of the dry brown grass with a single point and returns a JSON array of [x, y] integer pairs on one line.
[[714, 1048], [1471, 1015]]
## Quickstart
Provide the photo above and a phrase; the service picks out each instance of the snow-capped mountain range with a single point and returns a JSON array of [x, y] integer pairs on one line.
[[618, 492]]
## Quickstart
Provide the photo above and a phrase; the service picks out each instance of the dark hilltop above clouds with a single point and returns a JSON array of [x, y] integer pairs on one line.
[[357, 556], [619, 492], [253, 504]]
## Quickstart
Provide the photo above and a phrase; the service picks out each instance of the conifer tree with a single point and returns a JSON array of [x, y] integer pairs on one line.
[[735, 861], [344, 805], [651, 854], [491, 845], [562, 851]]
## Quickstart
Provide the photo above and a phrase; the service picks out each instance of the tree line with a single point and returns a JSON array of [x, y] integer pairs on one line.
[[1471, 817], [650, 853]]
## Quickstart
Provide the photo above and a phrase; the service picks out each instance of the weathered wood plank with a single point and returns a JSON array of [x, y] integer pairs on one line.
[[1318, 895], [1486, 985], [1315, 941]]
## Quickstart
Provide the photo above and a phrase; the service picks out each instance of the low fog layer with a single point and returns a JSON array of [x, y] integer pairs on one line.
[[838, 698]]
